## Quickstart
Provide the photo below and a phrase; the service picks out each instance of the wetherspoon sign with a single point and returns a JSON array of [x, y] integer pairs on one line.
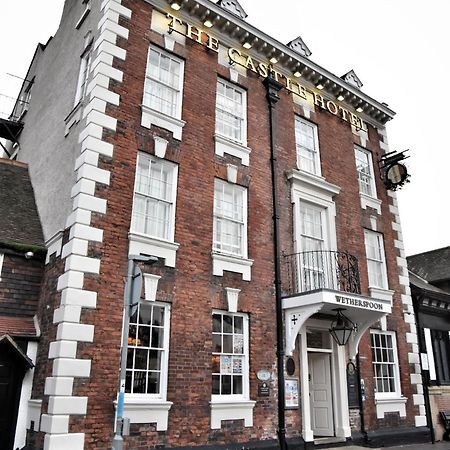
[[263, 70]]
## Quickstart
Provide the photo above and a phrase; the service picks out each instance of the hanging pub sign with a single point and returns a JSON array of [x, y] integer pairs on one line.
[[395, 172], [263, 70]]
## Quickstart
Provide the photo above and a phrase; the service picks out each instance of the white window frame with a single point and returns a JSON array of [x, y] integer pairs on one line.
[[310, 264], [150, 244], [153, 408], [367, 199], [2, 256], [161, 119], [152, 80], [242, 117], [394, 364], [372, 190], [245, 396], [173, 169], [368, 236], [315, 152], [244, 224], [83, 75], [164, 368]]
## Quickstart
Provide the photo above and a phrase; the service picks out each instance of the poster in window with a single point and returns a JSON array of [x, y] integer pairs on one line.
[[225, 365], [237, 365], [291, 393]]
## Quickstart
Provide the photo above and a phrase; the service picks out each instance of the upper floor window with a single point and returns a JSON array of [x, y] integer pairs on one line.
[[307, 143], [231, 112], [312, 244], [230, 355], [376, 260], [366, 178], [230, 219], [85, 66], [385, 364], [148, 347], [164, 83], [154, 197]]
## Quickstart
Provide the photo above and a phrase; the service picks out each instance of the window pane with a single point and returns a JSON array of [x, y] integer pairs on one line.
[[227, 324], [226, 384], [153, 383], [227, 344], [216, 384], [140, 360], [238, 324], [217, 343], [217, 322], [237, 385]]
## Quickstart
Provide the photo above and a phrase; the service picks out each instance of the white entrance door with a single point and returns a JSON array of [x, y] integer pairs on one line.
[[321, 405]]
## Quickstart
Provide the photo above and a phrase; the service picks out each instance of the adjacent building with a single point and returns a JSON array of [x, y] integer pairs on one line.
[[22, 258], [177, 130], [430, 290]]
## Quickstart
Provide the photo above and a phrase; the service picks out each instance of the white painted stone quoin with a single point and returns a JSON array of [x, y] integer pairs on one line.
[[66, 366]]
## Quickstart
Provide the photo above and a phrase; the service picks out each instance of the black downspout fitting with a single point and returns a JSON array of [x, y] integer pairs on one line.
[[273, 87]]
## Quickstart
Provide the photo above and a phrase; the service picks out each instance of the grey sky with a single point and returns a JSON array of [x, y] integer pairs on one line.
[[398, 48]]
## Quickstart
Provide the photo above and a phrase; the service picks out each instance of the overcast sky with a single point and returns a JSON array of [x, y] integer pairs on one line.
[[398, 48]]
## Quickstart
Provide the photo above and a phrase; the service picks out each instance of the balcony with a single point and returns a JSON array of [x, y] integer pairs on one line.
[[313, 270], [319, 282]]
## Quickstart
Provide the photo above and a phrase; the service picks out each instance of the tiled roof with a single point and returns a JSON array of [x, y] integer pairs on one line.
[[432, 266], [19, 219], [17, 326]]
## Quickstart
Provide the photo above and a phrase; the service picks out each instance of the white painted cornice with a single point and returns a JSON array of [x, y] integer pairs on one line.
[[239, 30]]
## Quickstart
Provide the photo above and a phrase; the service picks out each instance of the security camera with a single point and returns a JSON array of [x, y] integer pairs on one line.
[[29, 255]]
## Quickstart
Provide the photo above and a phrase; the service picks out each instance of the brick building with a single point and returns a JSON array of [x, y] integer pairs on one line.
[[178, 130], [22, 257]]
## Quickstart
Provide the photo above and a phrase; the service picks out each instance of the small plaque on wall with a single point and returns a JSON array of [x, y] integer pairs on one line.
[[263, 389]]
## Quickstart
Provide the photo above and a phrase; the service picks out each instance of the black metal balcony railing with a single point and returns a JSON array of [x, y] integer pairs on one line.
[[308, 271]]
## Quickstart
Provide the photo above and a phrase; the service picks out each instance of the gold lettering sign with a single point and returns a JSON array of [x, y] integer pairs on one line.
[[192, 32], [264, 70]]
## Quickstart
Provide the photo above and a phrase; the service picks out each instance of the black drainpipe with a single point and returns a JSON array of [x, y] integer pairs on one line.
[[361, 401], [273, 87]]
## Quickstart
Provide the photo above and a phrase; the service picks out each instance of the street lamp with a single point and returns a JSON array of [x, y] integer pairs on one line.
[[131, 297], [341, 327]]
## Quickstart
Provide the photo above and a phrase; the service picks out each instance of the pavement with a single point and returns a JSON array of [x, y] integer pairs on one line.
[[428, 446]]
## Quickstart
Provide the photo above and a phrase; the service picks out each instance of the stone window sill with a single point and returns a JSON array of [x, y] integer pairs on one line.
[[146, 245], [231, 410], [231, 263], [146, 410], [225, 145], [152, 117], [371, 202], [394, 404], [382, 294]]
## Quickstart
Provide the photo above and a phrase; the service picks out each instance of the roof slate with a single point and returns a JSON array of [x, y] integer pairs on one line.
[[432, 266], [19, 219]]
